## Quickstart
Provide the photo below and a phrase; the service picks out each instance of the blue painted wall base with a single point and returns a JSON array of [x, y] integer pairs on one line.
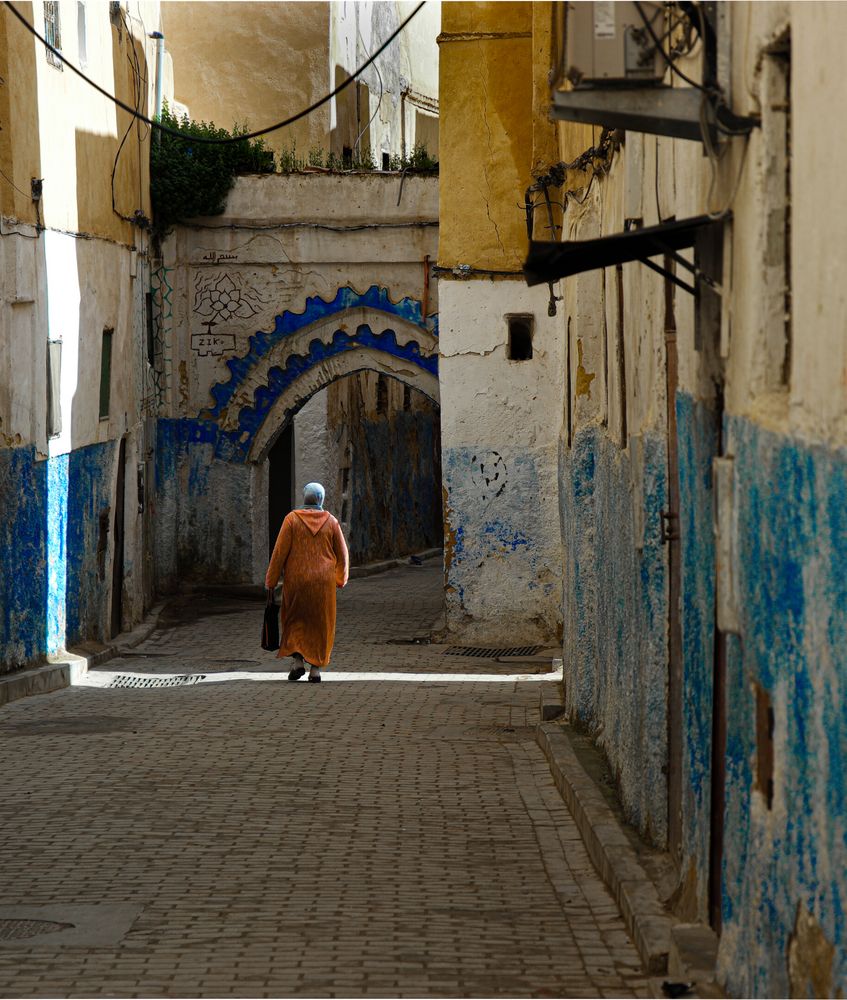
[[615, 612]]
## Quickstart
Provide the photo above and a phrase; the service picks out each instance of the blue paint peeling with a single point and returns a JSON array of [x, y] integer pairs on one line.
[[792, 586], [502, 556], [697, 428], [23, 544], [89, 496], [202, 505], [615, 620], [53, 590]]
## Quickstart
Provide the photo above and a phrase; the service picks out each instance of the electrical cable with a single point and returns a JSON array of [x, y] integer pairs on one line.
[[15, 186], [657, 41], [132, 122], [207, 140]]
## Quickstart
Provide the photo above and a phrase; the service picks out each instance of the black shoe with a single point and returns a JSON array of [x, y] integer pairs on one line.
[[314, 678], [296, 673]]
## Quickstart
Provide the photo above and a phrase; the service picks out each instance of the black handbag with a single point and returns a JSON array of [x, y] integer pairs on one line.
[[270, 626]]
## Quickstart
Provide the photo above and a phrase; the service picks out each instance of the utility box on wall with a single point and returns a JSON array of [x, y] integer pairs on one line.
[[608, 42]]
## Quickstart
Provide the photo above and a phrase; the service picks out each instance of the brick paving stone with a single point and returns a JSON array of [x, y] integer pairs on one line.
[[363, 838]]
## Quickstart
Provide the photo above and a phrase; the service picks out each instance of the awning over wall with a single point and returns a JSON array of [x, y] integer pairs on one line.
[[548, 261]]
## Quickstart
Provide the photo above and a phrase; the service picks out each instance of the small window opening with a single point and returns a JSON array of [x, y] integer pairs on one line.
[[347, 157], [81, 33], [386, 161], [106, 373], [519, 347], [54, 388], [52, 31], [382, 394]]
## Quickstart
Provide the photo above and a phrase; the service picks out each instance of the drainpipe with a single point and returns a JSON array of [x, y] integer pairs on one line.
[[160, 69]]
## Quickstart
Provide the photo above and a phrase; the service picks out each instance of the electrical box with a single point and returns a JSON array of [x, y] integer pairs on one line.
[[607, 42]]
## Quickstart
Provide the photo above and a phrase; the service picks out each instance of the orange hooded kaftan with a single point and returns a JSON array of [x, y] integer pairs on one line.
[[311, 552]]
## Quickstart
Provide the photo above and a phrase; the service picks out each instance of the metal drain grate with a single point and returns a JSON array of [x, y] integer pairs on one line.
[[19, 930], [166, 681], [492, 654]]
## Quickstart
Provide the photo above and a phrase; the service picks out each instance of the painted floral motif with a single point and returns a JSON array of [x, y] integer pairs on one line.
[[226, 296]]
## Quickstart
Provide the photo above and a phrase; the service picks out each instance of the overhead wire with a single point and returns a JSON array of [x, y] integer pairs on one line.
[[208, 140]]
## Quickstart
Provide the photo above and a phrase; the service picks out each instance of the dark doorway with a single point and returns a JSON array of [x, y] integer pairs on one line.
[[118, 561], [280, 482]]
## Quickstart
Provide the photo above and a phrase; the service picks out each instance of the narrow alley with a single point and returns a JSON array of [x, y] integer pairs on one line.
[[369, 836], [528, 315]]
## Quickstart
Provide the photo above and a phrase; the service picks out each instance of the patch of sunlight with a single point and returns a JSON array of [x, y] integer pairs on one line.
[[105, 678]]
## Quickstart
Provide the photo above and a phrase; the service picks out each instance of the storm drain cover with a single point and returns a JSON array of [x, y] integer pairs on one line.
[[492, 653], [60, 925], [165, 681], [19, 930]]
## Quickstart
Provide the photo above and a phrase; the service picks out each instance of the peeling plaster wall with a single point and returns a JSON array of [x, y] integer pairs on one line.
[[500, 423], [23, 545], [82, 270], [379, 116], [697, 428], [89, 579], [792, 598], [615, 613], [771, 565]]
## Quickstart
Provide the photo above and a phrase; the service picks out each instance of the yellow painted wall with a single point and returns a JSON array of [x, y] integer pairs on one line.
[[485, 147], [54, 126], [495, 131], [251, 63], [19, 145]]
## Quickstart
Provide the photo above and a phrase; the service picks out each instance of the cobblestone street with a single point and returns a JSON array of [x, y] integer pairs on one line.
[[362, 837]]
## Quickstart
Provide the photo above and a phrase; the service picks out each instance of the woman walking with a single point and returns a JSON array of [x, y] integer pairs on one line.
[[311, 554]]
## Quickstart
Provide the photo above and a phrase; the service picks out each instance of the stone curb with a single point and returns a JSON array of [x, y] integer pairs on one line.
[[370, 569], [64, 669], [647, 920]]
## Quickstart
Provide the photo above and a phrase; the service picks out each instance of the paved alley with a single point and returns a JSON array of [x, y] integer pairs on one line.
[[364, 837]]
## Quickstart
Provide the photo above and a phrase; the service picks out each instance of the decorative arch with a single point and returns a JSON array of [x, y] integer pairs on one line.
[[300, 390], [307, 351]]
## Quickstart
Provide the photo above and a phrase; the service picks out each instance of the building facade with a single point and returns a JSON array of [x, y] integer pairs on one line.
[[266, 312], [688, 450], [276, 59], [75, 394]]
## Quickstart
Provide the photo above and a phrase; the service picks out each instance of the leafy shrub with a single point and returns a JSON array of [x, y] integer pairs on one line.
[[418, 161], [190, 179]]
